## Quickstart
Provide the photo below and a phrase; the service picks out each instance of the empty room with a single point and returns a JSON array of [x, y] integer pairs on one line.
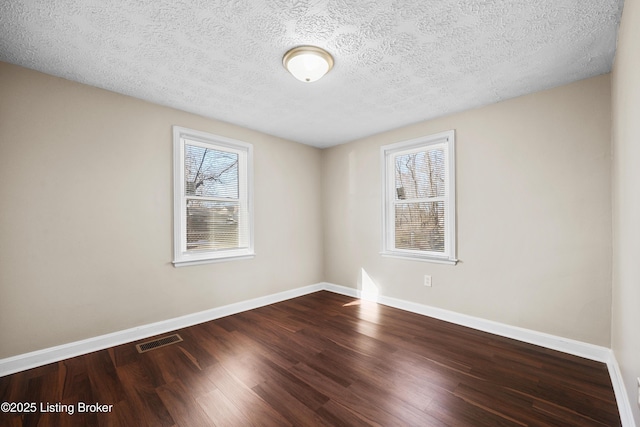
[[319, 213]]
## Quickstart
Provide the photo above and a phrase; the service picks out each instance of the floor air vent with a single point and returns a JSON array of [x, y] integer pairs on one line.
[[160, 342]]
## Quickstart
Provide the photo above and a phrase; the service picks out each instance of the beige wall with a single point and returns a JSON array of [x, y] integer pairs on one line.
[[86, 215], [534, 214], [625, 334]]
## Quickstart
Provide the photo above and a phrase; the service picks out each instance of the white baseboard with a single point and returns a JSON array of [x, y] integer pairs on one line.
[[45, 356], [566, 345], [589, 351], [624, 405]]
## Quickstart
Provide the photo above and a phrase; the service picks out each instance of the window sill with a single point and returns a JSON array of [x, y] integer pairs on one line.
[[422, 258], [185, 263]]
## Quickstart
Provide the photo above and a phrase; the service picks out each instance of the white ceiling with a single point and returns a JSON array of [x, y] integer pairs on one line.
[[396, 62]]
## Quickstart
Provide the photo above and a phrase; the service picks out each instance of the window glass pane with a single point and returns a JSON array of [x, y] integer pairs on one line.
[[212, 225], [420, 226], [420, 174], [210, 173]]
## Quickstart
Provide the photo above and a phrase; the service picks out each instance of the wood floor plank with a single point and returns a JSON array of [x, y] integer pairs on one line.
[[302, 391], [174, 365], [289, 405], [360, 405], [220, 411], [454, 411], [560, 415], [340, 416], [249, 404], [181, 404], [395, 402], [103, 377], [322, 359], [122, 415], [140, 389]]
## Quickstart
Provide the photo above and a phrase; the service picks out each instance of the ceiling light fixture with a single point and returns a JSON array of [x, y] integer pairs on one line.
[[307, 63]]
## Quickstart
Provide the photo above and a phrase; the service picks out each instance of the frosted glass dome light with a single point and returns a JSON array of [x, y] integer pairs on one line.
[[307, 63]]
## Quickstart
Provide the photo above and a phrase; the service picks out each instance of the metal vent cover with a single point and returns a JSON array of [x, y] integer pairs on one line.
[[157, 343]]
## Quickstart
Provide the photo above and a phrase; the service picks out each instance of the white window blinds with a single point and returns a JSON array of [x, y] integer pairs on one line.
[[212, 185], [419, 200]]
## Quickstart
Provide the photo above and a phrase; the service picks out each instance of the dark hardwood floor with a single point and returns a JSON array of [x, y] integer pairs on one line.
[[320, 360]]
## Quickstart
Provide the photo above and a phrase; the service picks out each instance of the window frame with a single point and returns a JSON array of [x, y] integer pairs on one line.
[[184, 136], [388, 153]]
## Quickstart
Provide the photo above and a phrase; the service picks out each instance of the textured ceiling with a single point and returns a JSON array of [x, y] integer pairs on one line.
[[396, 62]]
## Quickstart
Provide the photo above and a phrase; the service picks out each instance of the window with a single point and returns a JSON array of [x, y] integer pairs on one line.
[[212, 198], [418, 212]]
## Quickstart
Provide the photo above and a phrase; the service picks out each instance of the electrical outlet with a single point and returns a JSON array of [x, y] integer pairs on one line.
[[427, 280]]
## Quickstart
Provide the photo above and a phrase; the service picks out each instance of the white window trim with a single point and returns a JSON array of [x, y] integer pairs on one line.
[[245, 151], [387, 152]]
